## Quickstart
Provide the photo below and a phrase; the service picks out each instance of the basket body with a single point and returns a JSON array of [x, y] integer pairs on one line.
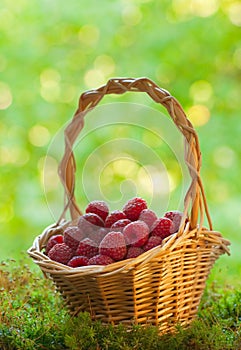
[[161, 287]]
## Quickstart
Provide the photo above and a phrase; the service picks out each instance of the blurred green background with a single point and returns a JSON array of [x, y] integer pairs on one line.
[[51, 51]]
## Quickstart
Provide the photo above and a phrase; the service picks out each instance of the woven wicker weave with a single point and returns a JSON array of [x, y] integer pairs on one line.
[[163, 286]]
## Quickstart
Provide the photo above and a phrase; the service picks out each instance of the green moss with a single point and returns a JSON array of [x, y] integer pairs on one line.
[[32, 317]]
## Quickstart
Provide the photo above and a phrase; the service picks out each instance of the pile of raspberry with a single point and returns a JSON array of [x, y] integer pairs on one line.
[[102, 237]]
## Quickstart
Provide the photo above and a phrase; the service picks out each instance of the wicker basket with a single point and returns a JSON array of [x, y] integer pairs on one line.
[[163, 286]]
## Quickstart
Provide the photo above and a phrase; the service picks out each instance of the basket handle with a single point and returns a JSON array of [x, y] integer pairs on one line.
[[195, 197]]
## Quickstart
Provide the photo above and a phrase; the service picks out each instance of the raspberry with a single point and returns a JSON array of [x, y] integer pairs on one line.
[[136, 233], [52, 241], [152, 242], [72, 236], [134, 252], [78, 260], [113, 217], [100, 260], [113, 245], [98, 235], [99, 208], [148, 216], [176, 217], [161, 227], [90, 222], [87, 247], [60, 252], [134, 207], [120, 224]]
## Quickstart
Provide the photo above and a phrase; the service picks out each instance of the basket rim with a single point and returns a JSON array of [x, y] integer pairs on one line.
[[169, 244]]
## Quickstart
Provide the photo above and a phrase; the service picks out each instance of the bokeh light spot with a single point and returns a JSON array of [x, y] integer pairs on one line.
[[39, 135], [159, 181], [224, 157], [107, 175], [144, 181], [201, 91], [199, 115], [94, 77], [234, 13], [49, 75], [105, 63], [131, 15], [5, 96], [50, 85], [181, 7], [48, 171], [89, 35], [13, 155], [204, 8], [125, 167], [200, 8]]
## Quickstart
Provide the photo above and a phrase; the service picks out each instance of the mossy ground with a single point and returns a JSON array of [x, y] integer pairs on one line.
[[32, 317]]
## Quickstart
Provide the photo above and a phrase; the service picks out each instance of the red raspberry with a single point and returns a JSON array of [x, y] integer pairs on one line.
[[148, 216], [176, 217], [113, 217], [72, 236], [134, 207], [120, 224], [98, 207], [152, 242], [88, 248], [136, 233], [90, 222], [134, 252], [60, 252], [100, 260], [161, 227], [113, 245], [78, 260], [98, 235], [52, 241]]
